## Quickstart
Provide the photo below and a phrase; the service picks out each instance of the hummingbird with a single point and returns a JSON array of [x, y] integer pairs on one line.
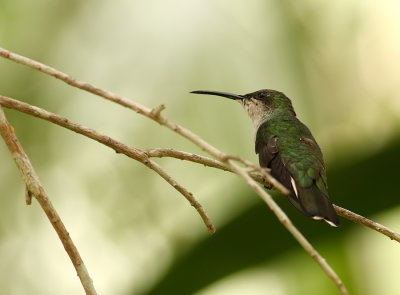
[[286, 146]]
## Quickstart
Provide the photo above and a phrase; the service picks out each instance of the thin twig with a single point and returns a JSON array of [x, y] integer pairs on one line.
[[284, 219], [35, 189], [367, 222], [134, 153], [142, 157], [167, 152], [155, 114], [207, 221], [161, 152]]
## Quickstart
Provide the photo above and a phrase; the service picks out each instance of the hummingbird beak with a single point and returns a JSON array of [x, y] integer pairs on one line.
[[218, 93]]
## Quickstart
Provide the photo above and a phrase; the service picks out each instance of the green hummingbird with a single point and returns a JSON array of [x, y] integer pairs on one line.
[[286, 146]]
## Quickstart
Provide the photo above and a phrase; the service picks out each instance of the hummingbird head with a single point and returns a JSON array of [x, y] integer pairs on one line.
[[260, 105]]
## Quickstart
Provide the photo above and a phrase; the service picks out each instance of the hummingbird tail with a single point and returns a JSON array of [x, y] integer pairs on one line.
[[317, 205]]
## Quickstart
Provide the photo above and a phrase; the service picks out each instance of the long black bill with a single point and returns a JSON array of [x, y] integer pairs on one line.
[[218, 93]]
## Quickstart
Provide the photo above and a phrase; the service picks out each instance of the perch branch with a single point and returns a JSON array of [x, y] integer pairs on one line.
[[161, 152], [155, 114], [142, 156], [35, 189], [367, 222], [287, 223], [171, 153]]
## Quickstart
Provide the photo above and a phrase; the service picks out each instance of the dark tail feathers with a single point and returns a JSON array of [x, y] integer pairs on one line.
[[317, 205]]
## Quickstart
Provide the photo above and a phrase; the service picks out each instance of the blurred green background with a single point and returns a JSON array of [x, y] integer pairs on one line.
[[339, 62]]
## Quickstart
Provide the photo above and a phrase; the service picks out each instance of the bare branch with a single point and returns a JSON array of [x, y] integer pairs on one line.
[[142, 156], [35, 189], [224, 159], [123, 101], [260, 175], [284, 219], [160, 153], [367, 222], [154, 114], [207, 221], [165, 152], [134, 153]]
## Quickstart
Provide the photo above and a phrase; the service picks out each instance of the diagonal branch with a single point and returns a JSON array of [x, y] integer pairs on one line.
[[171, 153], [142, 157], [35, 189], [154, 114], [160, 152], [134, 153], [167, 152], [367, 222], [226, 160], [287, 223], [203, 214]]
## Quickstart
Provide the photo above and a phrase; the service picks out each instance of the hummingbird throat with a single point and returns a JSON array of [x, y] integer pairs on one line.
[[258, 111]]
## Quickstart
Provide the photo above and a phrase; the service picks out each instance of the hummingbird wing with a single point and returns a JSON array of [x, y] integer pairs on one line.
[[268, 155], [297, 163]]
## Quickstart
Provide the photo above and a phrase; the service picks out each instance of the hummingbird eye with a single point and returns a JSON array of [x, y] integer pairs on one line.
[[261, 95]]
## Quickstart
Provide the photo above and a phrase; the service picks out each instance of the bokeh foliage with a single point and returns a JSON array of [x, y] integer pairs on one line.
[[339, 62]]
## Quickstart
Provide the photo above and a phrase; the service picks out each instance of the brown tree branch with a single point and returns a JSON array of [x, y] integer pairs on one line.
[[203, 214], [153, 114], [345, 213], [134, 153], [141, 156], [284, 219], [226, 160], [167, 152], [171, 153], [35, 189], [367, 222]]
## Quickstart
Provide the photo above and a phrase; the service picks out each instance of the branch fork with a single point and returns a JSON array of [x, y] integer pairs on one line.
[[157, 111]]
